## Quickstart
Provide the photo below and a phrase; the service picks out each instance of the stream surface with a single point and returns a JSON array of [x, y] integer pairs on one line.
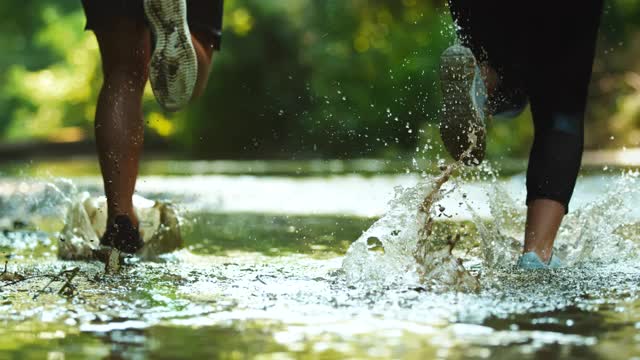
[[263, 272]]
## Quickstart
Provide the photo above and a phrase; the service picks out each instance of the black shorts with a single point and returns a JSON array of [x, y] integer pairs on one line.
[[204, 16]]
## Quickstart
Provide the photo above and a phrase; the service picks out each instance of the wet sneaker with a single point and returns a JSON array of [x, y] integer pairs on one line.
[[122, 235], [555, 262], [462, 125], [174, 66], [531, 261]]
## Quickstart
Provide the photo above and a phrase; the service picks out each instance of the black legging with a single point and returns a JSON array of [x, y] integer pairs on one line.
[[542, 50]]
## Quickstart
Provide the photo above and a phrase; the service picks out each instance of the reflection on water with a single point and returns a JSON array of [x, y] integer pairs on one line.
[[255, 281]]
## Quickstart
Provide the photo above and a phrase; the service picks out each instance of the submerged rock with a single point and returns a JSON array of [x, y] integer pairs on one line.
[[87, 218]]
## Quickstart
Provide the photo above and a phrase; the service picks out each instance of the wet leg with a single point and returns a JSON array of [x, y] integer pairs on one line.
[[204, 47], [557, 82], [543, 221], [119, 127]]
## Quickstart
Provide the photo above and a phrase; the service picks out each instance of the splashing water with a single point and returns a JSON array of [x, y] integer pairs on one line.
[[299, 295], [77, 220], [400, 248], [599, 232], [405, 232], [87, 219], [407, 254], [396, 232], [595, 233], [43, 204]]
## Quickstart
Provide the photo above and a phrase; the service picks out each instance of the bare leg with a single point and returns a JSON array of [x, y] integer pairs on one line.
[[119, 127], [543, 221], [204, 52]]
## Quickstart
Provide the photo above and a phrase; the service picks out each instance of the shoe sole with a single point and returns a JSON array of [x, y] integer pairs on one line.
[[173, 69], [461, 125]]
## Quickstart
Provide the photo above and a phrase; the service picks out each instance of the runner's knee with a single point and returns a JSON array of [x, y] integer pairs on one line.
[[125, 49]]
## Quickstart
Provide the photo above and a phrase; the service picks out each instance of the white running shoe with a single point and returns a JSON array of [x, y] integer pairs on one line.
[[174, 65]]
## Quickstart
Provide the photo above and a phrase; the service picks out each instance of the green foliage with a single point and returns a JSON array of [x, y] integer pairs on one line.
[[51, 92], [295, 79], [331, 78]]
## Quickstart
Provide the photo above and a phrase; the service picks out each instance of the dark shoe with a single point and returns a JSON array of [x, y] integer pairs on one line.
[[462, 125], [122, 235]]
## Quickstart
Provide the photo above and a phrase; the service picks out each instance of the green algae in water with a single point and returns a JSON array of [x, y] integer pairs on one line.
[[220, 234]]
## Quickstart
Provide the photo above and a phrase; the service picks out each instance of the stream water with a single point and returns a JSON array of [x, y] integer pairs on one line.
[[278, 266]]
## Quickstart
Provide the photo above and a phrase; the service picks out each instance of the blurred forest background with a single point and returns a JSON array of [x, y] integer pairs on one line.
[[295, 79]]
